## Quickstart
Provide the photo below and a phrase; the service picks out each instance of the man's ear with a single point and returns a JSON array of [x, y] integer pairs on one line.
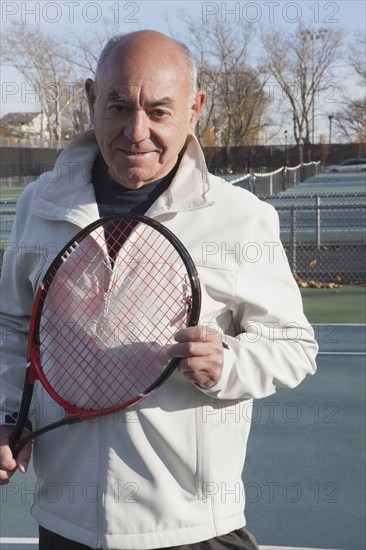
[[196, 109], [91, 95]]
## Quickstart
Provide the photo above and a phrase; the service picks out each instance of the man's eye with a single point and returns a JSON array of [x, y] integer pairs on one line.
[[117, 108], [159, 113]]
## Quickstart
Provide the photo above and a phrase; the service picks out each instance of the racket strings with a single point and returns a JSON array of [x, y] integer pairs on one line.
[[116, 234], [106, 327], [157, 291]]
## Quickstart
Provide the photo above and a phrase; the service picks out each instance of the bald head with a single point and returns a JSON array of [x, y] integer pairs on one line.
[[150, 43], [142, 106]]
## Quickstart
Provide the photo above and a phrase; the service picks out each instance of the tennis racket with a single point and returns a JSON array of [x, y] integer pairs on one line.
[[107, 308]]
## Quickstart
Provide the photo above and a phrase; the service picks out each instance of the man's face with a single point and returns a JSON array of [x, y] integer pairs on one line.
[[142, 112]]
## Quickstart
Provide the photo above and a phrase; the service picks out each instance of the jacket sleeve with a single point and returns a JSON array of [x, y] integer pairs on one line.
[[16, 304], [272, 344]]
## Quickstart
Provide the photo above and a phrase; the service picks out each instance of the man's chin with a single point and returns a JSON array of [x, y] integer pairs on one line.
[[131, 176]]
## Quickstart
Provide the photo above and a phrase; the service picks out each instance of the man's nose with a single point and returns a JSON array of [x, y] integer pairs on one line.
[[137, 128]]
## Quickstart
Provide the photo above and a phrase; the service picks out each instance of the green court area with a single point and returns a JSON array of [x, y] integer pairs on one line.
[[7, 192], [346, 305]]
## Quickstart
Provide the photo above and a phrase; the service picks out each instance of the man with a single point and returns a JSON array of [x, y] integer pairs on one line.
[[146, 481]]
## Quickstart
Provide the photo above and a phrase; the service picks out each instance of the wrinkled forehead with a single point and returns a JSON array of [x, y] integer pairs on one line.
[[141, 88], [143, 68], [144, 92]]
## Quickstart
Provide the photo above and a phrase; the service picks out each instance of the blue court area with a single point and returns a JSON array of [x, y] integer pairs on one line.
[[332, 183], [305, 470]]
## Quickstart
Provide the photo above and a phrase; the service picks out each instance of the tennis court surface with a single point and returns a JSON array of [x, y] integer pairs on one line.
[[305, 470], [332, 183]]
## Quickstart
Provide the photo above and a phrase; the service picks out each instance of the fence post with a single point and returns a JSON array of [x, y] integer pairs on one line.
[[284, 178], [293, 241], [317, 227], [252, 179]]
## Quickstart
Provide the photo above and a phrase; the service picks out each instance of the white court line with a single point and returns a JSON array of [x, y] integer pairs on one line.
[[8, 540], [336, 325], [17, 540], [341, 352], [360, 353], [288, 548]]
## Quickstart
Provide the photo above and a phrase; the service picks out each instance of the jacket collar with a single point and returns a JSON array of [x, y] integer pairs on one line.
[[68, 194]]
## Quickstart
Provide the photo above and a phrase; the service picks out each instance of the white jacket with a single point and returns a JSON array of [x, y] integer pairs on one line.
[[169, 471]]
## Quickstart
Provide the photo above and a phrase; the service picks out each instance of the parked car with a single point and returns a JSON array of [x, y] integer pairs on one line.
[[350, 165]]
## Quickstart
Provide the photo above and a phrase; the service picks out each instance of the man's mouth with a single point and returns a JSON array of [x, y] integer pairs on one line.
[[135, 153]]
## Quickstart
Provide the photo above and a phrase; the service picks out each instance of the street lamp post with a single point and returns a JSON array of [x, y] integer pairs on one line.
[[284, 175], [286, 159], [313, 35], [330, 129]]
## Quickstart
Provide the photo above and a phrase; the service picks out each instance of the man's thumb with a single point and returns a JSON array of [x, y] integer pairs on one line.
[[23, 457]]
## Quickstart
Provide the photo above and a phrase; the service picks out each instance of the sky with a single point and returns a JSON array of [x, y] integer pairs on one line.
[[83, 18], [165, 15]]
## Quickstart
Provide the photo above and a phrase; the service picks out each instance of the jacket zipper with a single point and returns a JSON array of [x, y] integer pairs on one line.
[[100, 484], [107, 280], [109, 276]]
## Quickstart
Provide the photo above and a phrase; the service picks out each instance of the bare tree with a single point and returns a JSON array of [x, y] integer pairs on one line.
[[299, 62], [242, 106], [351, 119], [357, 56], [76, 116], [236, 100], [56, 72], [36, 56], [85, 52]]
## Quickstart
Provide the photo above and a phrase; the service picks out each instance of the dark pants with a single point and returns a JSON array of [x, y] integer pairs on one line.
[[240, 539]]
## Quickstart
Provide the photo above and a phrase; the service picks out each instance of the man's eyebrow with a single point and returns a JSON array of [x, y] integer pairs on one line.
[[123, 98], [163, 102], [116, 96]]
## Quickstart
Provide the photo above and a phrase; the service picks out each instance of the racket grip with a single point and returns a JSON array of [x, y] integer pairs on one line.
[[16, 444], [21, 417]]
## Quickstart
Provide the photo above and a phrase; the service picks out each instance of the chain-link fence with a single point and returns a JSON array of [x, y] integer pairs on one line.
[[33, 142], [324, 235], [7, 213], [272, 183]]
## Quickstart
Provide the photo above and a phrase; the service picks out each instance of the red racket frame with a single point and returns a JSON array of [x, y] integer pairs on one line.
[[34, 370]]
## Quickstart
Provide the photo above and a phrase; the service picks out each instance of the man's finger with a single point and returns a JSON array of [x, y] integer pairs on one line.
[[188, 349], [7, 461], [23, 457], [198, 333]]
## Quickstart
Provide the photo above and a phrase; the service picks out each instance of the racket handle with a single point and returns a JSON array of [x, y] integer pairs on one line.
[[15, 443], [22, 421]]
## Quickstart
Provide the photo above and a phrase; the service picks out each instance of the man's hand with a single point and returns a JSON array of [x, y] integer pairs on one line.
[[8, 464], [202, 355]]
